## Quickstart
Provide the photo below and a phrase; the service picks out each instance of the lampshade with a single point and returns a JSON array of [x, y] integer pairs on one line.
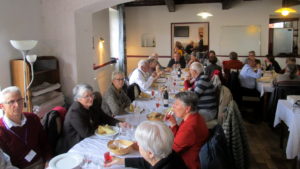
[[204, 15], [23, 44], [285, 11], [31, 58]]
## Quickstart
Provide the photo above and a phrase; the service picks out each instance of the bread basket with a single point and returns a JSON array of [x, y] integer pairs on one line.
[[120, 147]]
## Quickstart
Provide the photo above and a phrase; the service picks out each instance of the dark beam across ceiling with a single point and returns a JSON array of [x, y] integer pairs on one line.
[[227, 4], [171, 5], [287, 3]]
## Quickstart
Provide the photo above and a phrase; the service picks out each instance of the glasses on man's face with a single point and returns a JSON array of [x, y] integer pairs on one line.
[[12, 102], [88, 96]]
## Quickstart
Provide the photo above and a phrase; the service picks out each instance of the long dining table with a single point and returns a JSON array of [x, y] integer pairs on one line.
[[94, 147]]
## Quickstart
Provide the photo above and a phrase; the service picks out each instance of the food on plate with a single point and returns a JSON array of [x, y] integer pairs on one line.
[[144, 95], [106, 129], [155, 116], [120, 147], [131, 108], [154, 85]]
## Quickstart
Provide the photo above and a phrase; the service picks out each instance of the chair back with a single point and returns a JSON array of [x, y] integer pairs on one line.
[[53, 124], [214, 153], [234, 84], [281, 92], [133, 91]]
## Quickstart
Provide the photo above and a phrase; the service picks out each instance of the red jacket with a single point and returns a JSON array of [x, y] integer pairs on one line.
[[190, 135]]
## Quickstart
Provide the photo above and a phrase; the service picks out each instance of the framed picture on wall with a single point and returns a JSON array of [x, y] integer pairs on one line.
[[185, 32]]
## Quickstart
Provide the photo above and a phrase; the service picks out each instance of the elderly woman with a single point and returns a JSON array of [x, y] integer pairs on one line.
[[83, 117], [155, 142], [115, 99], [192, 132], [233, 63], [290, 77]]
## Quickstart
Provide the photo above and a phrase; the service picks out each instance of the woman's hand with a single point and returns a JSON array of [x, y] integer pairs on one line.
[[115, 161], [124, 125], [171, 119]]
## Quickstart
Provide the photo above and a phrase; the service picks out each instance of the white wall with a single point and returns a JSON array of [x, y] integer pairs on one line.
[[19, 20], [63, 25], [156, 20]]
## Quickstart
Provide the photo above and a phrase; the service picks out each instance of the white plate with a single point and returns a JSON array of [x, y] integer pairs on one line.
[[108, 135], [66, 161]]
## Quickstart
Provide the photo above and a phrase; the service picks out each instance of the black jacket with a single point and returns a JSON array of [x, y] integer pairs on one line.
[[172, 161], [81, 123]]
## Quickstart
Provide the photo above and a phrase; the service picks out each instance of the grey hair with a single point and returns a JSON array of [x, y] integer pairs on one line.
[[116, 73], [79, 89], [188, 98], [142, 62], [155, 137], [198, 67], [11, 89]]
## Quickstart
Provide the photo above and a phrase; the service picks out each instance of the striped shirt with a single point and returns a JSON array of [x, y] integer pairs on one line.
[[207, 94]]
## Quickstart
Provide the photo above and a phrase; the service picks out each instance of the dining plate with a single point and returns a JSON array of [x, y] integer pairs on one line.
[[116, 129], [66, 161]]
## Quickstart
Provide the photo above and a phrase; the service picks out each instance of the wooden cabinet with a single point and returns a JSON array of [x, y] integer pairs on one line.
[[46, 69]]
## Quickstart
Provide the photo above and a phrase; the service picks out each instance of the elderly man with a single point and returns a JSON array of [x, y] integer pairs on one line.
[[141, 76], [21, 134], [207, 102], [115, 99], [249, 73]]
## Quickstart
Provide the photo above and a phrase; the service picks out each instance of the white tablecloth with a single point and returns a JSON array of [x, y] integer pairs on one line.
[[263, 87], [94, 147], [291, 117]]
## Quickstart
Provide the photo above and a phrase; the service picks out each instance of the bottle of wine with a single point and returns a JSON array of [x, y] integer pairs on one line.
[[179, 73], [166, 98]]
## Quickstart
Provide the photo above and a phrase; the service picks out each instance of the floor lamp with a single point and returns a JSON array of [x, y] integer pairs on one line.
[[24, 46]]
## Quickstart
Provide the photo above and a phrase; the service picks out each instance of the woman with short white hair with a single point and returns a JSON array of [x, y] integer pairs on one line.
[[83, 118], [155, 142]]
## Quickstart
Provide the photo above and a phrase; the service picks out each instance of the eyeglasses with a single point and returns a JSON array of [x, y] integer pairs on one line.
[[12, 102], [120, 79], [88, 96]]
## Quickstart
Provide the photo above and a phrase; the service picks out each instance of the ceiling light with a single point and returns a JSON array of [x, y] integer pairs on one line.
[[285, 11], [204, 15]]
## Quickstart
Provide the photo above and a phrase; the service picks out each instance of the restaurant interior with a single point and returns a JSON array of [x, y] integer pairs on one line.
[[74, 41]]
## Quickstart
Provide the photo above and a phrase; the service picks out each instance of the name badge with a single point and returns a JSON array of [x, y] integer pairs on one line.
[[30, 155]]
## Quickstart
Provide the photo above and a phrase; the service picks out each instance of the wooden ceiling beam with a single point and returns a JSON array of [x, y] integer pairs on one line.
[[171, 5], [227, 4], [288, 3]]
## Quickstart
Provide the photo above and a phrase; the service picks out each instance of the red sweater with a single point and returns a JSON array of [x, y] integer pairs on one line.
[[16, 148], [190, 135]]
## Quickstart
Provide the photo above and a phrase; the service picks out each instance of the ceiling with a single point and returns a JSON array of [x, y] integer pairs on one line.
[[171, 4]]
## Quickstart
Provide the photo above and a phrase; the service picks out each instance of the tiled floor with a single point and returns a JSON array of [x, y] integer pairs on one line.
[[264, 148]]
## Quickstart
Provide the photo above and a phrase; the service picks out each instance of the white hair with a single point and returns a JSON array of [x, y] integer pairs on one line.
[[115, 73], [155, 137], [198, 67], [11, 89], [142, 63], [79, 89]]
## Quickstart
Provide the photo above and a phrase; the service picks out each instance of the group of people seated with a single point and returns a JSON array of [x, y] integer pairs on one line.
[[23, 139]]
